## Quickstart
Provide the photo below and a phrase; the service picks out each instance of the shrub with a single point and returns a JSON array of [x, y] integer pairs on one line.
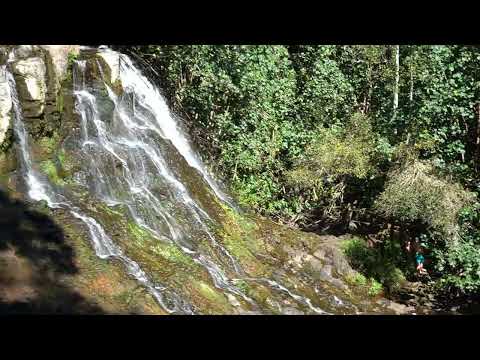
[[381, 265], [324, 92], [337, 160], [414, 192], [375, 288], [458, 262], [337, 152]]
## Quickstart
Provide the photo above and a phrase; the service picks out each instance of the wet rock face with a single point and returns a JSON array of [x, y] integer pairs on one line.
[[4, 54], [292, 311], [112, 61], [26, 51], [58, 55], [324, 262], [39, 72], [42, 80], [30, 77]]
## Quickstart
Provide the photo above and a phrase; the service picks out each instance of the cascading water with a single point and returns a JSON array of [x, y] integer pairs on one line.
[[125, 142], [37, 189], [148, 97], [40, 190], [131, 141]]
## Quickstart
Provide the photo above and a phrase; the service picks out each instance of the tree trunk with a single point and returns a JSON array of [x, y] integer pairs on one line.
[[397, 81], [477, 137], [411, 85]]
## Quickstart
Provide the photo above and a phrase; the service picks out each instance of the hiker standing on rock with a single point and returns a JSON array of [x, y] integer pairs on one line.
[[419, 258]]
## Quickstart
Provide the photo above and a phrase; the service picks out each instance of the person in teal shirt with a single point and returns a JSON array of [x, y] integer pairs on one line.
[[420, 259]]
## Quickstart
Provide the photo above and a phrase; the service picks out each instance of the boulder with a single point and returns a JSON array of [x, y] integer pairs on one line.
[[57, 56], [338, 283], [4, 50], [400, 308], [30, 77], [26, 51], [110, 65], [330, 253], [316, 264]]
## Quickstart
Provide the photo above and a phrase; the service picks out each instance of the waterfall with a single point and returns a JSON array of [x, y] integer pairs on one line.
[[39, 189], [128, 144], [130, 138], [149, 97]]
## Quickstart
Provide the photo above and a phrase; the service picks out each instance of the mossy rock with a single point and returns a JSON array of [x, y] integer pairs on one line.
[[7, 143], [103, 280], [8, 162]]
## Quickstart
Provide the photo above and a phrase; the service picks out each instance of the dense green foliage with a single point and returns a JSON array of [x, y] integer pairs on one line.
[[459, 261], [312, 135], [338, 161], [414, 193], [387, 264]]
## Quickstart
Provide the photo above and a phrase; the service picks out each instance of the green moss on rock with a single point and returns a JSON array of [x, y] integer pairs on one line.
[[212, 300], [172, 253], [49, 168], [237, 234], [137, 232], [59, 102], [7, 143]]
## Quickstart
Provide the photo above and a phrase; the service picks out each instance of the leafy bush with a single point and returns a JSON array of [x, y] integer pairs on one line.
[[337, 159], [375, 288], [324, 94], [440, 212], [458, 262], [71, 58], [379, 264], [337, 152], [415, 192], [372, 286]]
